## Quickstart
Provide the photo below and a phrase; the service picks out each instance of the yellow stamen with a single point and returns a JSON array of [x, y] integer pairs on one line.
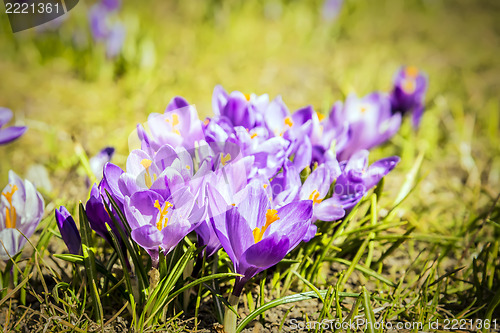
[[253, 135], [247, 96], [288, 121], [411, 71], [233, 204], [314, 197], [271, 216], [147, 177], [409, 86], [265, 186], [10, 214], [188, 167], [225, 159], [206, 122], [174, 122], [363, 109], [320, 116], [163, 219]]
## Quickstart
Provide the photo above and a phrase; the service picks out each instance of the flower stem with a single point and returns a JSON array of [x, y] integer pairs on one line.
[[230, 317]]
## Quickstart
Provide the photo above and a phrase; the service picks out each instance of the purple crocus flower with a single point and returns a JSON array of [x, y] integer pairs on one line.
[[115, 40], [357, 178], [238, 108], [353, 179], [179, 126], [96, 209], [256, 236], [160, 224], [102, 30], [98, 19], [370, 122], [111, 5], [21, 209], [68, 229], [408, 93], [98, 161], [331, 9], [228, 182], [10, 133]]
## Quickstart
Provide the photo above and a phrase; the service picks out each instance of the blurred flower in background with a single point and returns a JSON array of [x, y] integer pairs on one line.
[[408, 93], [9, 134], [331, 9], [112, 34], [98, 161]]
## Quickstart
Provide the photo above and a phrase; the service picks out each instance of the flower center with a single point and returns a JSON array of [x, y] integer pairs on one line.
[[147, 177], [409, 85], [174, 122], [314, 197], [162, 219], [288, 121], [10, 214], [225, 159], [271, 216]]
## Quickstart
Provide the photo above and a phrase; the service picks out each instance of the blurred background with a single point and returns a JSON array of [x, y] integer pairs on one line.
[[72, 89]]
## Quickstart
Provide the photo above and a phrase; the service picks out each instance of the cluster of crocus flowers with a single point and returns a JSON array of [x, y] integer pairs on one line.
[[237, 179], [21, 209], [9, 134]]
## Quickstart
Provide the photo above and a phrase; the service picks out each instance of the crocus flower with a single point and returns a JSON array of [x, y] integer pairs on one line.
[[96, 209], [98, 161], [111, 5], [353, 179], [370, 122], [68, 229], [357, 178], [228, 182], [331, 9], [159, 224], [240, 109], [178, 126], [102, 30], [21, 209], [10, 133], [408, 93], [255, 235], [115, 40]]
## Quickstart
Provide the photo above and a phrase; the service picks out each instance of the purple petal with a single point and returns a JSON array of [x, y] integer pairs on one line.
[[268, 252], [147, 236], [11, 133], [68, 229], [5, 116]]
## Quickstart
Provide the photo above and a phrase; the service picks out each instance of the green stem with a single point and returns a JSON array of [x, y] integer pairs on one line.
[[230, 317]]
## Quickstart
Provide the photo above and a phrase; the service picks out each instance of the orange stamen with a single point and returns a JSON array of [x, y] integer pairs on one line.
[[225, 159], [10, 213], [314, 197], [163, 219], [411, 71], [271, 216], [409, 86], [174, 122]]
